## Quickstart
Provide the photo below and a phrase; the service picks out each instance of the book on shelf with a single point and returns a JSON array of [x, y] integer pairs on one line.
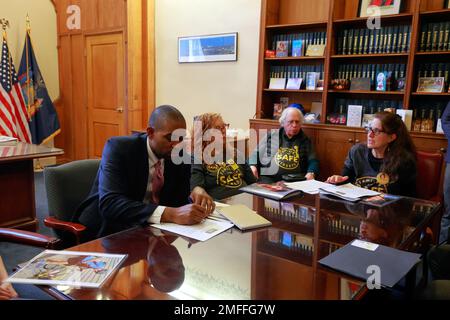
[[243, 217], [276, 191], [277, 83], [8, 141], [406, 116], [297, 48], [311, 80], [294, 83], [282, 49], [354, 115], [68, 268]]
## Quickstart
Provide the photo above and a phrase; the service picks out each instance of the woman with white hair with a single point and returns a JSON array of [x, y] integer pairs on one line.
[[294, 153]]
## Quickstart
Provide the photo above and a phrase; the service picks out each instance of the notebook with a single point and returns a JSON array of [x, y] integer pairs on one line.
[[357, 257], [243, 217]]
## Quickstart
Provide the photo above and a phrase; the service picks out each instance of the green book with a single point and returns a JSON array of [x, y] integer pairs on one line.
[[362, 35], [355, 41], [440, 45], [350, 42], [376, 44], [435, 37], [394, 39], [344, 42], [446, 36], [429, 37], [389, 40], [372, 33], [423, 38]]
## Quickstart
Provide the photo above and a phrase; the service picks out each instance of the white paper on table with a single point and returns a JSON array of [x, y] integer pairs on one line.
[[348, 191], [307, 186], [202, 231]]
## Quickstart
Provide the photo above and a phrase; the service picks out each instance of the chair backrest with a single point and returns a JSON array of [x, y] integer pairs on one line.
[[429, 169], [68, 185]]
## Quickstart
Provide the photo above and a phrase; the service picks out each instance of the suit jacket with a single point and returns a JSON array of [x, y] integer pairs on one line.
[[115, 202]]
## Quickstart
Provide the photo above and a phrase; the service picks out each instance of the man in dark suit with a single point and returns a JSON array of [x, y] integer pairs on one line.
[[138, 183]]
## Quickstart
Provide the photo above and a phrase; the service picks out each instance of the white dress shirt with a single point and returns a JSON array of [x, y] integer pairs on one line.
[[152, 160]]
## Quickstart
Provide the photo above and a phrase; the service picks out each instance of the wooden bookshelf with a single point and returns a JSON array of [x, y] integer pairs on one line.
[[293, 17]]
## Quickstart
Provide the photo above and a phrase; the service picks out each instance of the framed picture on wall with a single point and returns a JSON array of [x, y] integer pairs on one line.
[[209, 48], [368, 8]]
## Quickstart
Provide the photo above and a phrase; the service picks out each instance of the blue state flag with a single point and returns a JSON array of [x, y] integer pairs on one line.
[[44, 123]]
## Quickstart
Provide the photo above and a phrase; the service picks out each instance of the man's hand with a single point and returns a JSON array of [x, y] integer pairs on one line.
[[7, 291], [255, 171], [200, 197], [187, 215], [337, 179]]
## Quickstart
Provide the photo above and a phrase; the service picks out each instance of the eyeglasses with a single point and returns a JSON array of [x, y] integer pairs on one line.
[[375, 131]]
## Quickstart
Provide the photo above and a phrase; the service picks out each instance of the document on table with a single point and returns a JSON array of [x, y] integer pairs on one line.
[[307, 186], [208, 228], [348, 191]]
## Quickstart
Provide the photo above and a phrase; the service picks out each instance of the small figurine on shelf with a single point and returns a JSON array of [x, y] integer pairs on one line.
[[381, 81]]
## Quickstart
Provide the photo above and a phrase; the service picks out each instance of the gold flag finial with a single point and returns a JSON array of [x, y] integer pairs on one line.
[[28, 23], [4, 23]]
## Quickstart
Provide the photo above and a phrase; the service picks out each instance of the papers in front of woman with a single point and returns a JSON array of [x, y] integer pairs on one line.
[[208, 228], [347, 191]]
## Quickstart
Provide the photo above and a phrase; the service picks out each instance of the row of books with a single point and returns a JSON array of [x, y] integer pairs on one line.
[[392, 39], [295, 45], [336, 226], [292, 214], [291, 241], [300, 71], [393, 71], [435, 36]]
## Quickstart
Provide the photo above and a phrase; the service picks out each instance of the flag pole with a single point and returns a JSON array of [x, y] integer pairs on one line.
[[28, 67]]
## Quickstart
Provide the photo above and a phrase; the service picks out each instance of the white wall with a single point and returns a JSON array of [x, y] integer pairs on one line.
[[43, 34], [195, 88]]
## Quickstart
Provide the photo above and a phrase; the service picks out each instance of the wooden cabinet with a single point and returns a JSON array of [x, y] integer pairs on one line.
[[289, 20]]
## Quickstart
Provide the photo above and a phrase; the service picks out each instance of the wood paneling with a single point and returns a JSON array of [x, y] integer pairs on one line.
[[332, 148], [134, 21], [294, 11], [430, 5], [106, 90]]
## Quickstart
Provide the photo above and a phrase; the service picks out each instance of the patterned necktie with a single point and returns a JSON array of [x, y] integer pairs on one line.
[[157, 182]]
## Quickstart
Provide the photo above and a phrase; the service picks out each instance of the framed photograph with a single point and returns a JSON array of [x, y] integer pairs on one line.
[[210, 48], [370, 8], [435, 84]]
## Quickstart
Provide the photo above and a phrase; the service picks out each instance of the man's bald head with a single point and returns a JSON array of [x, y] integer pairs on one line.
[[162, 115]]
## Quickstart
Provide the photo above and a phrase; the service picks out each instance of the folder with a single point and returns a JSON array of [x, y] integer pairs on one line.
[[243, 217], [355, 258]]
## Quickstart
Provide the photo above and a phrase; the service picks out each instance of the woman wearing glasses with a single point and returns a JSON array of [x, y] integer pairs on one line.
[[219, 169], [288, 152], [387, 163]]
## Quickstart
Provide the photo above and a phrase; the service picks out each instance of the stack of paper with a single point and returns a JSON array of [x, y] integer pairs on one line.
[[8, 141], [348, 191], [307, 186]]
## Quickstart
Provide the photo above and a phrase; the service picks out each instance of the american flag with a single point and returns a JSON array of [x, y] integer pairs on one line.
[[13, 112]]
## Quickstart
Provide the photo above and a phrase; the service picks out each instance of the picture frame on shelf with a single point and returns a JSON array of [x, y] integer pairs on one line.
[[431, 84], [208, 48], [371, 8]]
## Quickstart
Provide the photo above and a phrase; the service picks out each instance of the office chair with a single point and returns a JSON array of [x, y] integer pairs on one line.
[[67, 186], [429, 171]]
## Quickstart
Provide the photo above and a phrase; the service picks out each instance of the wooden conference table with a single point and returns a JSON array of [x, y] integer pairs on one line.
[[279, 262], [17, 205]]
